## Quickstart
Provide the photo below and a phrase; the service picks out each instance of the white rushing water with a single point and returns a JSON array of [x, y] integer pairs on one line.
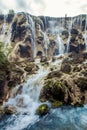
[[85, 32], [5, 36], [30, 101], [32, 23], [46, 42], [4, 28], [69, 31], [60, 44]]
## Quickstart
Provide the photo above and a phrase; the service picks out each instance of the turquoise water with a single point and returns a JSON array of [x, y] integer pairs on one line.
[[65, 118]]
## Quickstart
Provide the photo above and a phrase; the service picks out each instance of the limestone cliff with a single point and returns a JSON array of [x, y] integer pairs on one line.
[[30, 36]]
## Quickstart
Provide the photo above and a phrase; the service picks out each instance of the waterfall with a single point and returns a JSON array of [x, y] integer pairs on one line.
[[45, 43], [6, 32], [4, 29], [85, 33], [30, 101], [8, 39], [69, 31], [80, 21], [60, 44], [32, 24]]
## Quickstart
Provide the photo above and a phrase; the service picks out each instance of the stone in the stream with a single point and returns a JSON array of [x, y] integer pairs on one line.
[[42, 110], [10, 110]]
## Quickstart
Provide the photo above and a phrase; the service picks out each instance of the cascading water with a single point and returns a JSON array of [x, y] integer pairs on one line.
[[45, 37], [45, 43], [30, 102], [32, 23], [8, 39], [85, 32], [65, 118], [6, 32], [4, 28], [69, 31], [60, 28], [60, 44]]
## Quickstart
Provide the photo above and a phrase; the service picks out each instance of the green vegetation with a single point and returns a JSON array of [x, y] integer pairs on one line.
[[42, 110], [56, 104]]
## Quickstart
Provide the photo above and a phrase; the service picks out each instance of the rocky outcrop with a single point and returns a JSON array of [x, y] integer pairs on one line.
[[30, 36], [67, 86], [12, 74]]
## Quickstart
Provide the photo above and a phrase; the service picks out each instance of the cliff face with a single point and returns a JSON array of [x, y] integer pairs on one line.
[[31, 36]]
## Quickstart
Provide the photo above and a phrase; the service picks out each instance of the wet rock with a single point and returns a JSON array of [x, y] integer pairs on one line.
[[42, 110], [10, 110], [57, 104]]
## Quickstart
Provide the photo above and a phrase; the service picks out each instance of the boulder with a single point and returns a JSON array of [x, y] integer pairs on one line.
[[42, 110], [10, 110], [52, 90]]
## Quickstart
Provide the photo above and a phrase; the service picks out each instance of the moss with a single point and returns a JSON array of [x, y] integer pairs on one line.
[[42, 110], [53, 90], [56, 104]]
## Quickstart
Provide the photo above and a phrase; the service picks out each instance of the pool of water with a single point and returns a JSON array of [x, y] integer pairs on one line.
[[65, 118]]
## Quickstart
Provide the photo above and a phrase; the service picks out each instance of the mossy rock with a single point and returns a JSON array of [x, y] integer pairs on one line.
[[42, 110], [53, 90], [56, 104]]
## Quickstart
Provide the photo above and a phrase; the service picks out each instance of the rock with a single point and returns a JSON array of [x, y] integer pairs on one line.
[[42, 110], [52, 90], [66, 68], [56, 104], [30, 68], [53, 74], [43, 59], [76, 69], [10, 110], [81, 83], [74, 31]]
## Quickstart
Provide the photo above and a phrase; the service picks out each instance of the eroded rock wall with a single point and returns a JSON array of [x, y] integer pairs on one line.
[[31, 36]]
